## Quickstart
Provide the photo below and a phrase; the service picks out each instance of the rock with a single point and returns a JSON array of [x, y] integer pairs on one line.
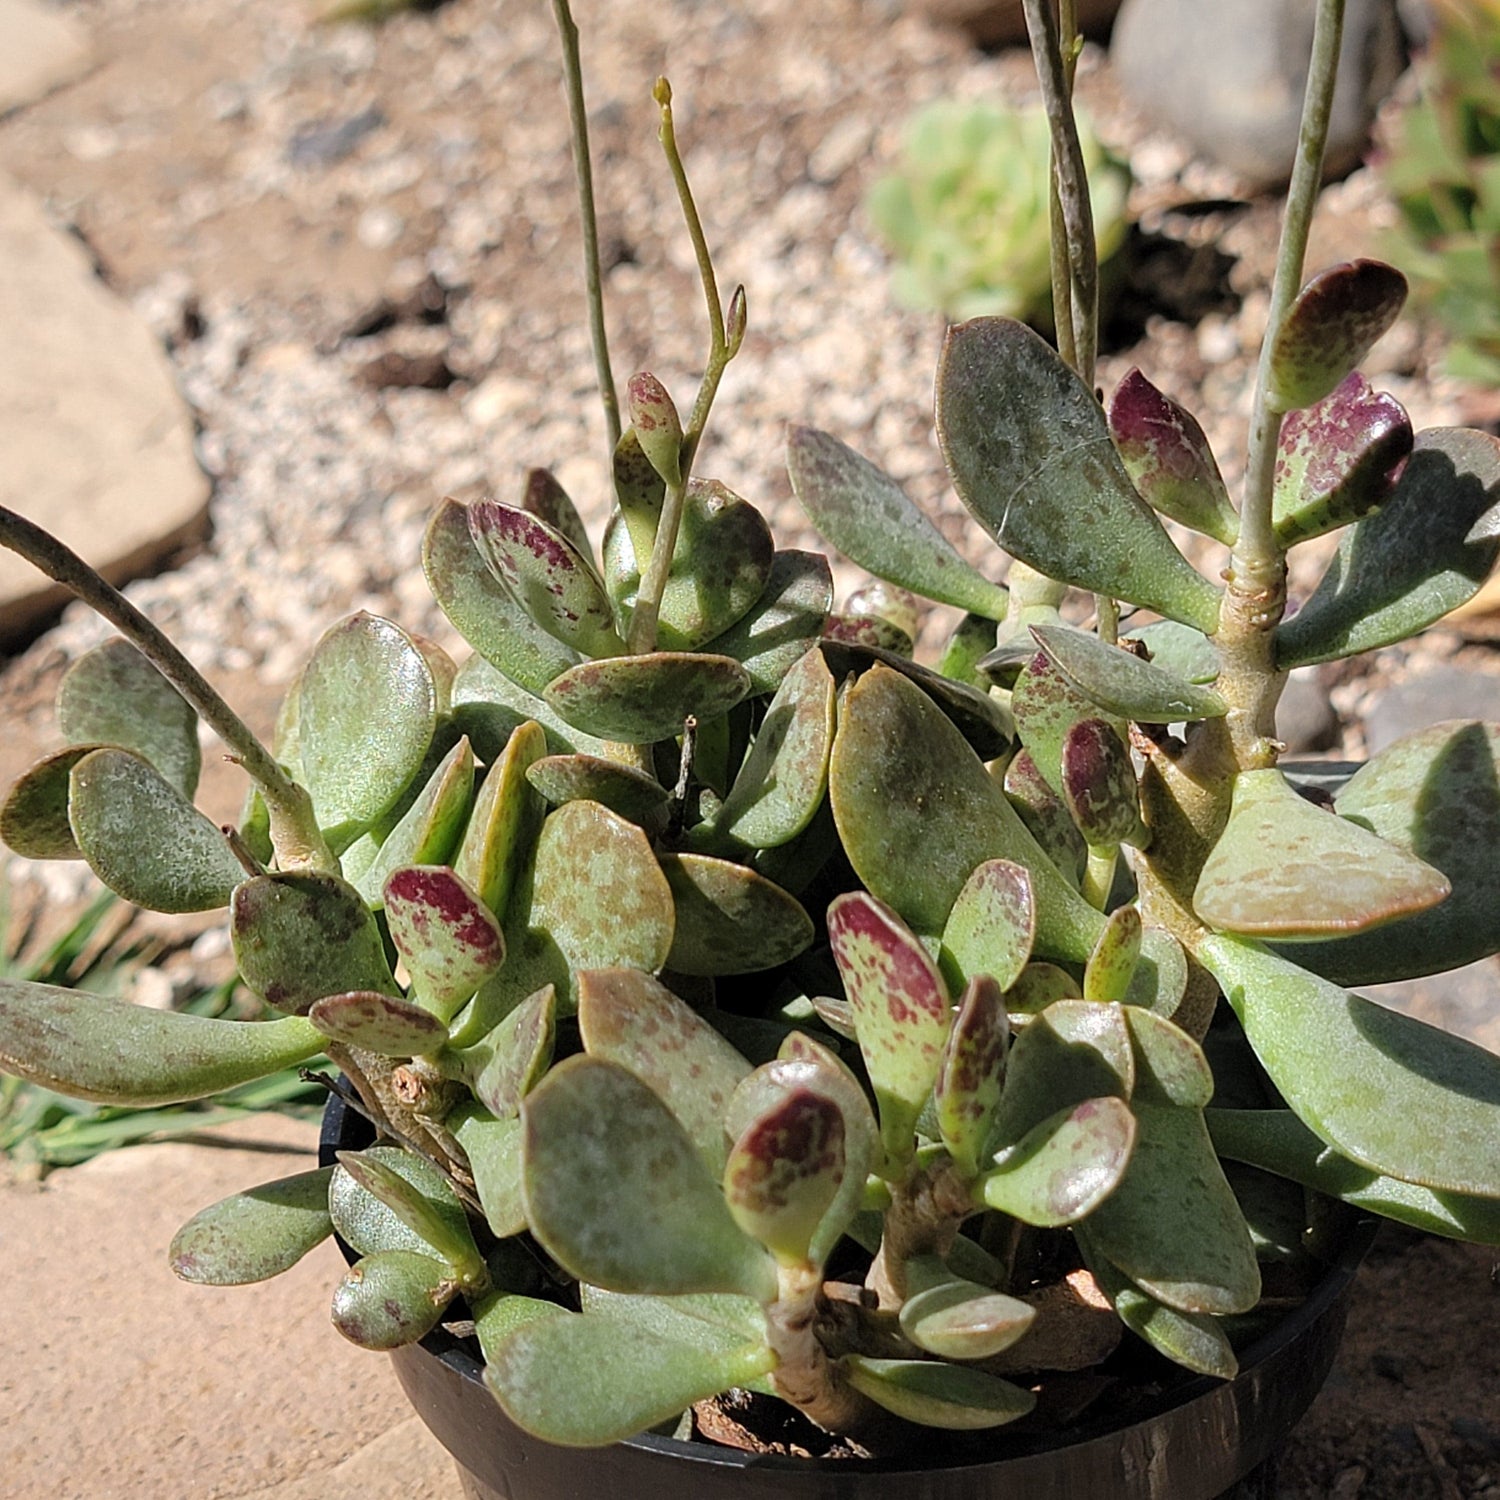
[[39, 49], [324, 143], [1440, 693], [98, 443], [1002, 23], [1305, 718], [1229, 77]]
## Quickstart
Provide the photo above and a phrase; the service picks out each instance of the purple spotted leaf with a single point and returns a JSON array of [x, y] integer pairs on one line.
[[1045, 815], [787, 618], [658, 428], [1168, 458], [1111, 966], [729, 919], [639, 492], [505, 1065], [868, 630], [1332, 325], [889, 602], [634, 795], [1099, 785], [641, 699], [544, 497], [505, 821], [448, 937], [1337, 461], [378, 1023], [991, 927], [969, 1083], [254, 1235], [547, 576], [392, 1298], [785, 1171], [902, 1012], [1064, 1168]]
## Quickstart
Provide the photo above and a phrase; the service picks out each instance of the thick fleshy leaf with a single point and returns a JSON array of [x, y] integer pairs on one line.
[[1275, 1140], [720, 568], [1173, 1225], [547, 576], [494, 1150], [640, 492], [482, 610], [1065, 1168], [1124, 685], [96, 1047], [590, 778], [1336, 462], [641, 699], [890, 602], [972, 640], [715, 1320], [367, 712], [545, 498], [301, 936], [1099, 785], [1186, 653], [902, 778], [1409, 563], [1111, 966], [1044, 813], [1194, 1341], [1167, 456], [657, 426], [958, 1319], [505, 821], [1047, 704], [34, 817], [113, 695], [593, 1378], [868, 630], [630, 1018], [784, 622], [1435, 794], [1392, 1093], [1161, 973], [937, 1395], [378, 1023], [1331, 326], [1038, 986], [369, 1225], [488, 707], [1170, 1067], [618, 1194], [430, 828], [784, 1172], [966, 1095], [729, 919], [782, 782], [391, 1298], [991, 927], [430, 1218], [144, 839], [504, 1066], [448, 937], [902, 1011], [868, 517], [1285, 868], [254, 1235], [1031, 456]]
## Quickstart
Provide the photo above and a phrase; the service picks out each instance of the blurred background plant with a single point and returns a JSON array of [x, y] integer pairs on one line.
[[104, 949], [966, 211], [1442, 169]]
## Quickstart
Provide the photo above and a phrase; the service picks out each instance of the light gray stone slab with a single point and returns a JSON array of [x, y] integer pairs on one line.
[[40, 48], [97, 442]]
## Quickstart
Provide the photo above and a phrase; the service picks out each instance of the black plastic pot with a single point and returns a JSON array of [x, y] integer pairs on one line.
[[1207, 1439]]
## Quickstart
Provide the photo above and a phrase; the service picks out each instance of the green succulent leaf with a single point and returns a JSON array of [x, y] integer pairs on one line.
[[301, 936], [972, 640], [640, 492], [503, 1067], [493, 1147], [488, 707], [902, 777], [1285, 868], [1435, 795], [657, 426], [1332, 325], [144, 839], [96, 1047], [1168, 459], [1170, 1067], [113, 695], [1161, 974], [966, 1096], [577, 1380], [617, 1193], [1065, 1168], [784, 622], [869, 631], [784, 778], [1186, 653], [1099, 785], [369, 1225], [958, 1319], [505, 821], [254, 1235], [448, 937], [34, 816], [1409, 563], [1038, 987], [1391, 1093], [991, 927], [1031, 456], [378, 1023], [634, 795], [367, 712], [937, 1395], [1336, 461], [1124, 685], [641, 699], [716, 1320], [392, 1298], [1112, 964], [868, 517], [1045, 815], [482, 610], [729, 919], [434, 1215]]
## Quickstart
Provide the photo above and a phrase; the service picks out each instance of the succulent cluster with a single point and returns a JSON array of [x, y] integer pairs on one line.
[[740, 1003], [966, 211], [1442, 167]]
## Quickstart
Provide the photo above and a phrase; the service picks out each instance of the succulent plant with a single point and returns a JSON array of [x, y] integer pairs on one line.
[[966, 211], [1442, 167], [740, 1004]]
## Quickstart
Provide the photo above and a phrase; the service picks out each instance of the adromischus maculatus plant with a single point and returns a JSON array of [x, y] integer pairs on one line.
[[768, 1014]]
